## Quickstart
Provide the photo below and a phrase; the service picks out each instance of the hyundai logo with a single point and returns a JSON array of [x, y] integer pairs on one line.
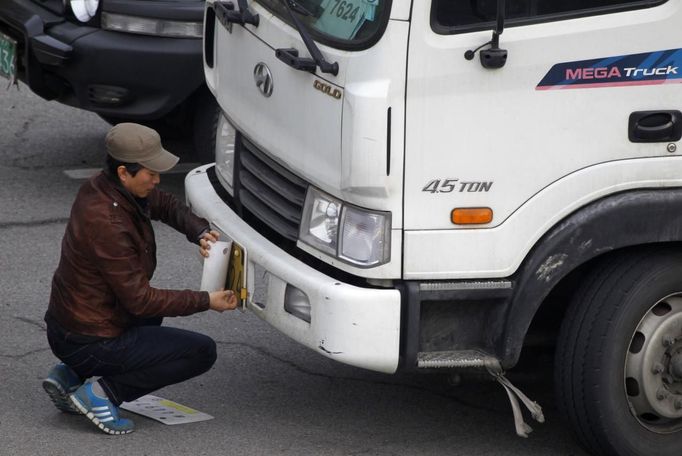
[[263, 78]]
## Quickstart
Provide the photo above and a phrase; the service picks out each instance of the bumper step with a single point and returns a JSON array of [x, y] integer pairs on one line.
[[465, 359], [472, 359]]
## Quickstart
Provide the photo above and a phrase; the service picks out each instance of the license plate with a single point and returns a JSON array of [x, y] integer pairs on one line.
[[8, 57], [236, 273]]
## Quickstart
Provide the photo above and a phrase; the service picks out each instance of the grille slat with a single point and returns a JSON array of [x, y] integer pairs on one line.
[[269, 217], [270, 198], [269, 191], [272, 179]]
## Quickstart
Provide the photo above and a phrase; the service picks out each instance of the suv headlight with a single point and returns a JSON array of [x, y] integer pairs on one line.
[[84, 10], [225, 139], [149, 26], [354, 235]]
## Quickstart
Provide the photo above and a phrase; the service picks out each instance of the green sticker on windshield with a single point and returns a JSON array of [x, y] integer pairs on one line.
[[343, 18]]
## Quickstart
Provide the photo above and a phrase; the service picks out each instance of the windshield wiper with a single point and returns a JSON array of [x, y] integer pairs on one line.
[[290, 55], [305, 8], [227, 15]]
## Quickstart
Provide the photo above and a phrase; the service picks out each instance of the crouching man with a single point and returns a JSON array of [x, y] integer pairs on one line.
[[104, 318]]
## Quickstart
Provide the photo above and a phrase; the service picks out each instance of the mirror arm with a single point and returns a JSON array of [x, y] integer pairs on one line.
[[493, 57]]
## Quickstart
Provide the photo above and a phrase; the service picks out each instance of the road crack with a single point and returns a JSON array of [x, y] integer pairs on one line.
[[372, 452], [34, 223], [24, 355], [32, 322]]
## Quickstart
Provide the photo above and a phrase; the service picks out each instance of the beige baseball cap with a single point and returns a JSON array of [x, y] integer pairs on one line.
[[135, 143]]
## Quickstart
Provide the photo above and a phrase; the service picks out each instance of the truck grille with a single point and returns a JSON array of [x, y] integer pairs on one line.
[[270, 199], [268, 190]]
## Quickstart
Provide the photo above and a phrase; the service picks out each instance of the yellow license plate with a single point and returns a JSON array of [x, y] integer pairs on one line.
[[236, 273]]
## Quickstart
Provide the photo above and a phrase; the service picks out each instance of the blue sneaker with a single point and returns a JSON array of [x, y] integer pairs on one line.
[[100, 411], [60, 382]]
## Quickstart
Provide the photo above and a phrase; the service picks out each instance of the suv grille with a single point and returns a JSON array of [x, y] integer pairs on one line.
[[267, 190]]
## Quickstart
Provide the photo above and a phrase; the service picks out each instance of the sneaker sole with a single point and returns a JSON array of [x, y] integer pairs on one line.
[[89, 415], [59, 397]]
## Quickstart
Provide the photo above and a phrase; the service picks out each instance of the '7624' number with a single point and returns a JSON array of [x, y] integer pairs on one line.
[[345, 10]]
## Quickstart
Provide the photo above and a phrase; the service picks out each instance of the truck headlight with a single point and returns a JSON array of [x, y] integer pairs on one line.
[[150, 26], [225, 138], [320, 222], [84, 10], [349, 233], [365, 236]]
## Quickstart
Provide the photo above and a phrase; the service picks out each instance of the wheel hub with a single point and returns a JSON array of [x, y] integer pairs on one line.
[[653, 367], [676, 367]]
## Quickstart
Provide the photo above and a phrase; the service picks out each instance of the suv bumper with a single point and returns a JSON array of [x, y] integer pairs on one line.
[[78, 65], [353, 325]]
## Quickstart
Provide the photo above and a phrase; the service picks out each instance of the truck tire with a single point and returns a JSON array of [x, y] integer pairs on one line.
[[193, 124], [618, 365]]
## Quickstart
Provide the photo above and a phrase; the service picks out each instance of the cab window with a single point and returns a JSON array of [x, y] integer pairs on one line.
[[455, 16]]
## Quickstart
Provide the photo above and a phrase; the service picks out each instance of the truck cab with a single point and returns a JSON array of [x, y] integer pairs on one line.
[[435, 185]]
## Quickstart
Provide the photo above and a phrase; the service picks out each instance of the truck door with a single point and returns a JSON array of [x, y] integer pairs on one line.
[[498, 138]]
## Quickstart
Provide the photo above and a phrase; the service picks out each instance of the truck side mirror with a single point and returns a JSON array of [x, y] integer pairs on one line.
[[493, 57]]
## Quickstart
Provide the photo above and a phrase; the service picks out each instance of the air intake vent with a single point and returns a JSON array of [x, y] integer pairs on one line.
[[105, 95], [269, 191], [209, 36]]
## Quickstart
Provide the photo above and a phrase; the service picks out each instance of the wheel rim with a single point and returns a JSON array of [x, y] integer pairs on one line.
[[653, 367]]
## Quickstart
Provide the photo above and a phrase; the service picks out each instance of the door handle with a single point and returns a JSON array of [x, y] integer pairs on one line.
[[655, 126]]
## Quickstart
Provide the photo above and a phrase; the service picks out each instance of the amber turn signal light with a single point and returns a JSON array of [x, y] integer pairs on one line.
[[471, 215]]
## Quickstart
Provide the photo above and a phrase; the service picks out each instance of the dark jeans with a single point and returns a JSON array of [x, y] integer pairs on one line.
[[141, 360]]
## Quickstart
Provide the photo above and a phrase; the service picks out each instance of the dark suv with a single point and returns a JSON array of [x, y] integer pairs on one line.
[[126, 60]]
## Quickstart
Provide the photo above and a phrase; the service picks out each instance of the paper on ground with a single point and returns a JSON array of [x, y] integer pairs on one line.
[[165, 411], [214, 275]]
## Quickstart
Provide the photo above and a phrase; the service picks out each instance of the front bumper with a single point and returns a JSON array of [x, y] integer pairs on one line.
[[350, 324], [61, 60]]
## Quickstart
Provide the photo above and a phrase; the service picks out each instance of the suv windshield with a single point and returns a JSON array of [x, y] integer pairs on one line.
[[345, 24]]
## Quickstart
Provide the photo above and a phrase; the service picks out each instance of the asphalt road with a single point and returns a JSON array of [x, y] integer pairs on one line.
[[268, 395]]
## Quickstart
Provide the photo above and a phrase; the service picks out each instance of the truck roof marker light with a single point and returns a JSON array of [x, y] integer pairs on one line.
[[471, 215]]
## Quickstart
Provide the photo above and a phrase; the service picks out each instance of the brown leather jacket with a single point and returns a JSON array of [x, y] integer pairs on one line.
[[101, 285]]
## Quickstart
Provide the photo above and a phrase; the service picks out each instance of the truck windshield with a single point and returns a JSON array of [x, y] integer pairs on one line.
[[344, 24]]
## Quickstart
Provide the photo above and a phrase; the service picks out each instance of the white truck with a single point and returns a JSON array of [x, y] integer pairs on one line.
[[436, 185]]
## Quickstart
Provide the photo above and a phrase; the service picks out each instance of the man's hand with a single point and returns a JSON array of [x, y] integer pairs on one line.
[[223, 300], [205, 242]]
